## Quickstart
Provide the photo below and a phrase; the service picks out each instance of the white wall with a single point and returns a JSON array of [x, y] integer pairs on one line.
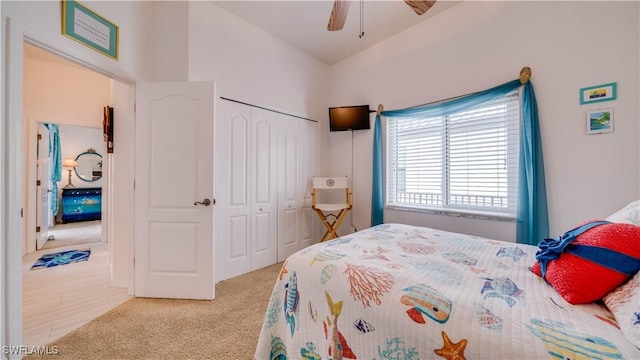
[[249, 64], [477, 45], [64, 94], [169, 43]]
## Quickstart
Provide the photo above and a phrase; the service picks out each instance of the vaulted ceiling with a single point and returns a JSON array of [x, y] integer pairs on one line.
[[303, 24]]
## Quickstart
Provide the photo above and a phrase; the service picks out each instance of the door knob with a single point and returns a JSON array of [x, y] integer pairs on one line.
[[205, 202]]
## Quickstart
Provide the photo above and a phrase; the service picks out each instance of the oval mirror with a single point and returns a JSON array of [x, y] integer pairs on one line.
[[89, 166]]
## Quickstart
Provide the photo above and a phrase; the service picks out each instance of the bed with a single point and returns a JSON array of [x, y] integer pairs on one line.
[[403, 292]]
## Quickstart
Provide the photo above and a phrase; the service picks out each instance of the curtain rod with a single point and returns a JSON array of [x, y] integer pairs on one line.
[[525, 76], [264, 108]]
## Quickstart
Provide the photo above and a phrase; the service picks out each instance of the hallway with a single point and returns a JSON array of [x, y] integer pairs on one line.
[[60, 299]]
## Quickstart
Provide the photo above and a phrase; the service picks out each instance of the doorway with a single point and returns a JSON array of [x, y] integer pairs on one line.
[[59, 299], [68, 198]]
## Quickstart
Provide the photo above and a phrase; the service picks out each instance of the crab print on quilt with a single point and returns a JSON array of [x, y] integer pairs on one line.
[[403, 292]]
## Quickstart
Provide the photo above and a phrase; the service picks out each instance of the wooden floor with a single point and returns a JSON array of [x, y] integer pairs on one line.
[[60, 299]]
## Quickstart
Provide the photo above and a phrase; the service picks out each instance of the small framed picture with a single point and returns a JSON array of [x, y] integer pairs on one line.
[[599, 121], [598, 93]]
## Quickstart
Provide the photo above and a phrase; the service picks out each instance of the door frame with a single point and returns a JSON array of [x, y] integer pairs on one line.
[[12, 169], [35, 191]]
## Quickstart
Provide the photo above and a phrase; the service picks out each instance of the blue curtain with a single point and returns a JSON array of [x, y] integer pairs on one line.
[[533, 218], [377, 210], [532, 222], [56, 165]]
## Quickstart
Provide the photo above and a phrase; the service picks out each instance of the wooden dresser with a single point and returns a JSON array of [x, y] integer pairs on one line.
[[81, 204]]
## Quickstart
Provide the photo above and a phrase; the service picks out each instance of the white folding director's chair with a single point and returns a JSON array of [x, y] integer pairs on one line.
[[325, 210]]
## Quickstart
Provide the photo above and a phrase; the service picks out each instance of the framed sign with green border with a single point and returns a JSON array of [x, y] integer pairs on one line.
[[87, 27]]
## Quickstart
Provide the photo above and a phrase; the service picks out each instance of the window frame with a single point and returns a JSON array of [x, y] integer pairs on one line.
[[495, 213]]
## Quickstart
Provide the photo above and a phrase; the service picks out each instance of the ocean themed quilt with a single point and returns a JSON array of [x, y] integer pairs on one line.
[[403, 292]]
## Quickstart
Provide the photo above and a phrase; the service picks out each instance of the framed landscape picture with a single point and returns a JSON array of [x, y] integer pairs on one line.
[[600, 121]]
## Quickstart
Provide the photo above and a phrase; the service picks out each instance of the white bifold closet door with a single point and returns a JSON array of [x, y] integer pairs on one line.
[[264, 187], [263, 201], [288, 206]]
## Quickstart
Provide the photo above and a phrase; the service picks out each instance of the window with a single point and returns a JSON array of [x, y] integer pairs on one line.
[[465, 162]]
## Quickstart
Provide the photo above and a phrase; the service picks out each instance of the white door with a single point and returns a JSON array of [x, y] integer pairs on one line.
[[264, 194], [288, 182], [173, 172], [43, 186]]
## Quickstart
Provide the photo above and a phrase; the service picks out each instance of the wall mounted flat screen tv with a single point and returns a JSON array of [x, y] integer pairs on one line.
[[349, 118]]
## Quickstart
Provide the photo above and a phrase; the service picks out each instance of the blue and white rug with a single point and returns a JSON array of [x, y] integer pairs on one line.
[[61, 258]]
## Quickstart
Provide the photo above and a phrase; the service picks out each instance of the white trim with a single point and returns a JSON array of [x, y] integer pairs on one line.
[[14, 235], [3, 193], [4, 234], [30, 211], [454, 212]]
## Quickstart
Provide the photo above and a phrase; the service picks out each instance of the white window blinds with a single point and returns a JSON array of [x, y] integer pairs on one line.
[[461, 162]]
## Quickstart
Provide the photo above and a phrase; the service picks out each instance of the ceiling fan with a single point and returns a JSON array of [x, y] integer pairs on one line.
[[341, 9]]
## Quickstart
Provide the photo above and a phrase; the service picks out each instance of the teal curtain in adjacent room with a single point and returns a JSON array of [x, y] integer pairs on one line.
[[532, 222], [56, 163]]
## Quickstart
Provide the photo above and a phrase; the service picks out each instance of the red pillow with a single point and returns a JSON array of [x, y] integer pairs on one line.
[[582, 281]]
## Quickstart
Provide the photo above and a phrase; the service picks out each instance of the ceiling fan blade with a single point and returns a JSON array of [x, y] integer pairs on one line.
[[338, 15], [420, 7]]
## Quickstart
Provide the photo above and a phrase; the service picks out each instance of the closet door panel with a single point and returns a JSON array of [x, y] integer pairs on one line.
[[239, 174], [289, 238], [307, 227], [233, 232], [290, 161], [308, 166], [264, 225], [238, 233], [288, 182]]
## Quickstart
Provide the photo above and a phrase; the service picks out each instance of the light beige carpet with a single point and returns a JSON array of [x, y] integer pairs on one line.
[[225, 328], [74, 233]]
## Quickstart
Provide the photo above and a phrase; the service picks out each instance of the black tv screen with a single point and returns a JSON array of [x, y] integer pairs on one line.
[[349, 118]]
